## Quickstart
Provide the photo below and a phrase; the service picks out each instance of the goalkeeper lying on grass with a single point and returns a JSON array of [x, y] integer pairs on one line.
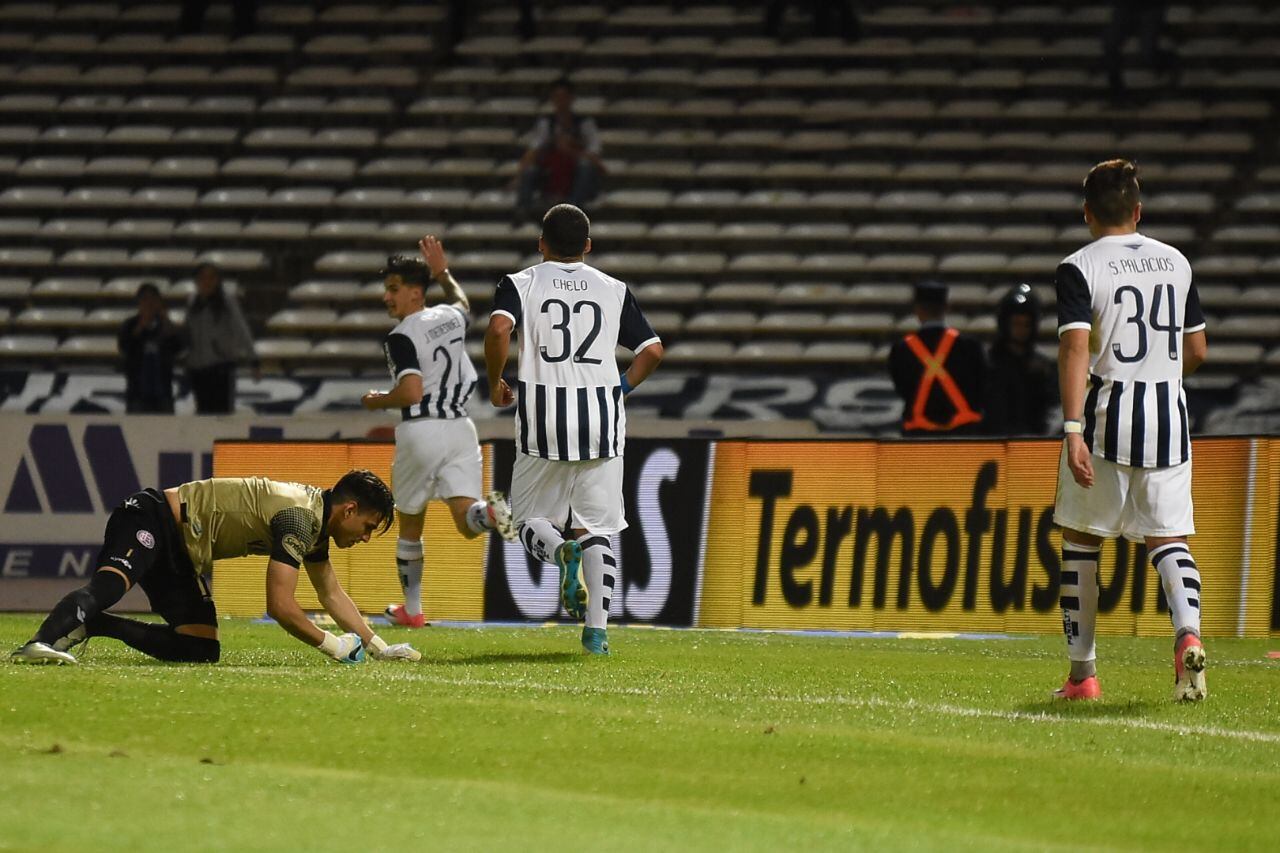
[[166, 543]]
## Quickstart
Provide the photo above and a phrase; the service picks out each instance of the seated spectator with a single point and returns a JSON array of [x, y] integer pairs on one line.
[[562, 162], [937, 371], [219, 339], [1022, 385], [149, 342]]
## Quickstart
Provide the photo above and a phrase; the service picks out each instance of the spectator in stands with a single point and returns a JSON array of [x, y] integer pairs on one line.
[[149, 342], [938, 372], [1141, 18], [562, 162], [845, 11], [219, 339], [1022, 385], [244, 16]]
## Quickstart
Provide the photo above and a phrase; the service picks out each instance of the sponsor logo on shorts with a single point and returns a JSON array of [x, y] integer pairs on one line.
[[147, 540]]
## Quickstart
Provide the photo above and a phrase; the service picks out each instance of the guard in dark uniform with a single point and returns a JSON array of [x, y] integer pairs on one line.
[[1022, 384], [938, 372]]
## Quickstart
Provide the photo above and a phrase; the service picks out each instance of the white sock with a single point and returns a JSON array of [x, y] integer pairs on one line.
[[1181, 581], [600, 569], [1079, 600], [541, 538], [478, 519], [409, 567]]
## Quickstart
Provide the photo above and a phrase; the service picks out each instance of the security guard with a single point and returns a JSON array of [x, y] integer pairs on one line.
[[937, 371]]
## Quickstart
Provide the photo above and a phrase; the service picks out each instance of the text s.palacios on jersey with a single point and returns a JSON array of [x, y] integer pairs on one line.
[[1141, 265]]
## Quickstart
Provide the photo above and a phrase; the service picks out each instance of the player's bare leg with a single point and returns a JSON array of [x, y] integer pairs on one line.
[[1181, 581], [1079, 601]]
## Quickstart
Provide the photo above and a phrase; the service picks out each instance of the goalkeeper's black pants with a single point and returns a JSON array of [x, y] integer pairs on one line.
[[142, 545]]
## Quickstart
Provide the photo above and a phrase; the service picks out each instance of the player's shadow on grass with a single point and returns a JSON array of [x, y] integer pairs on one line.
[[1076, 710], [510, 657]]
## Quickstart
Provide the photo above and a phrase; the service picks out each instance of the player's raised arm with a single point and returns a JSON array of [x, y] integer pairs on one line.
[[438, 262]]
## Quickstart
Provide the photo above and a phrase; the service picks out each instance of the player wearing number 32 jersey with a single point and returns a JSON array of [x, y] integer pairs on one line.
[[1130, 328], [566, 486]]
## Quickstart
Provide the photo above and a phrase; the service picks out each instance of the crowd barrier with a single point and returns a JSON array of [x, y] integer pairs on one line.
[[837, 535]]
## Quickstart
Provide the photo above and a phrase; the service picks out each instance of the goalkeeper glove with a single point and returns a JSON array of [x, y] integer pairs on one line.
[[345, 649], [400, 651]]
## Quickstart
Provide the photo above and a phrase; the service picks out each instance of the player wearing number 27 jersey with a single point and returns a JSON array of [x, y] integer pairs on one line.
[[1130, 328], [566, 485]]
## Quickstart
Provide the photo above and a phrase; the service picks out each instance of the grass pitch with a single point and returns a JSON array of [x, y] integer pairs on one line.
[[507, 738]]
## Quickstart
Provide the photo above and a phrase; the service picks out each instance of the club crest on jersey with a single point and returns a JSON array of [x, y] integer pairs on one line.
[[147, 540]]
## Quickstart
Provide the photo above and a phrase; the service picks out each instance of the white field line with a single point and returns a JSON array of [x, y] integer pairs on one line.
[[871, 702]]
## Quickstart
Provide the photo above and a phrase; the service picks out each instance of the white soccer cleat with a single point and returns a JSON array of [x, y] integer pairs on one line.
[[1188, 669], [37, 652], [500, 515]]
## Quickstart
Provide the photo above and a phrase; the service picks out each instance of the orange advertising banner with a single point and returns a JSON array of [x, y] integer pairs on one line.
[[959, 536]]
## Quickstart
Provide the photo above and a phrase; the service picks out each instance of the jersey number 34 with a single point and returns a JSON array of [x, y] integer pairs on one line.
[[1162, 298]]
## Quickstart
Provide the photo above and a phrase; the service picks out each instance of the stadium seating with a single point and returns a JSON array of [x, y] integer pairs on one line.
[[770, 201]]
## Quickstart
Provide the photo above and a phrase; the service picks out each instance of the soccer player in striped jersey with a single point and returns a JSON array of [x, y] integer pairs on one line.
[[437, 451], [566, 486], [1130, 328]]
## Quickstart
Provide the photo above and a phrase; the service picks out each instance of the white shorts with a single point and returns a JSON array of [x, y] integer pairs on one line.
[[586, 494], [435, 459], [1126, 501]]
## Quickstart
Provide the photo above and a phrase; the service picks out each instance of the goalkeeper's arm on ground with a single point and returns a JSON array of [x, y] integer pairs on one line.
[[336, 602]]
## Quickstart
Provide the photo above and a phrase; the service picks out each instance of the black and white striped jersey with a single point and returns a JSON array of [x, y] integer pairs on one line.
[[571, 318], [1136, 297], [432, 344]]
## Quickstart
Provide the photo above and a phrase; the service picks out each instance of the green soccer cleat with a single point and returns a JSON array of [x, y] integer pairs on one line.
[[573, 586], [37, 652], [595, 641]]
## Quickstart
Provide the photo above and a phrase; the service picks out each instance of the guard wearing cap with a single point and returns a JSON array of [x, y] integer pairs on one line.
[[938, 372], [1022, 384]]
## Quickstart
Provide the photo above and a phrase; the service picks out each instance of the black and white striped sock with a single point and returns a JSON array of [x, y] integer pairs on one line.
[[601, 569], [409, 568], [1181, 581], [1079, 601], [541, 538]]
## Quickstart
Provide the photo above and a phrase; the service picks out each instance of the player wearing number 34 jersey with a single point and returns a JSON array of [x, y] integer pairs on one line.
[[1130, 328], [566, 486]]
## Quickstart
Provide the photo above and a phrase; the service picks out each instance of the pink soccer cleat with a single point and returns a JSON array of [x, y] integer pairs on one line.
[[399, 616], [1188, 670], [1089, 689]]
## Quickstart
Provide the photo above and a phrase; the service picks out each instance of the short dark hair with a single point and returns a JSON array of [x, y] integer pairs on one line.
[[1111, 191], [562, 83], [565, 230], [411, 270], [369, 492], [147, 287]]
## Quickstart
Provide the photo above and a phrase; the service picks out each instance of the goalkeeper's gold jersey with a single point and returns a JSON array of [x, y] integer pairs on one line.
[[235, 516]]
